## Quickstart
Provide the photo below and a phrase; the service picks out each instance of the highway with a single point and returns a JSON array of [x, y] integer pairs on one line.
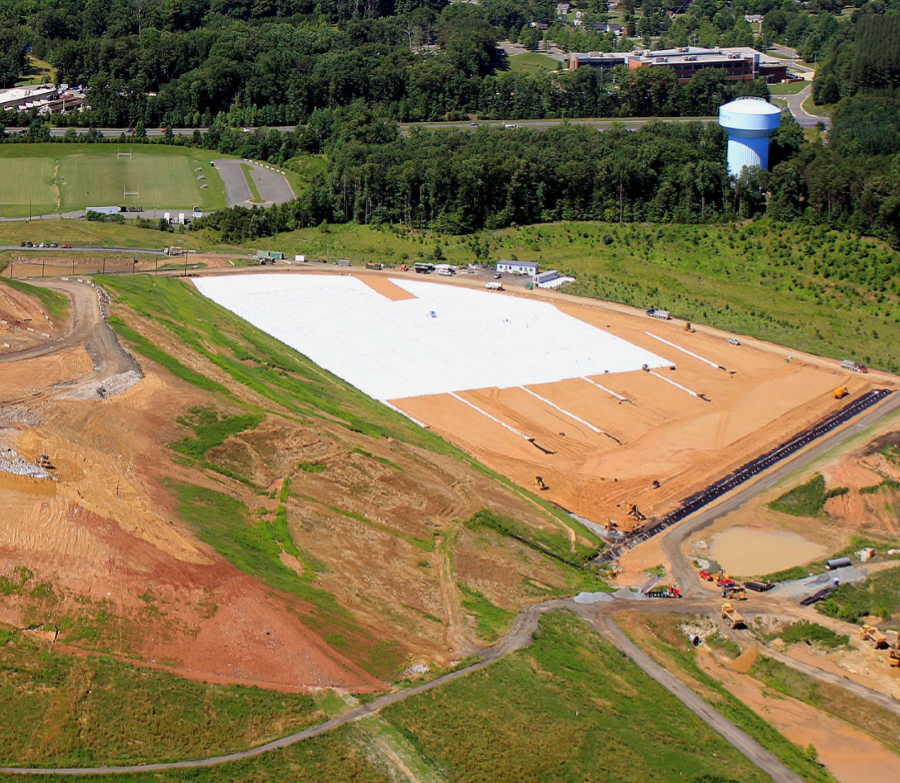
[[600, 123]]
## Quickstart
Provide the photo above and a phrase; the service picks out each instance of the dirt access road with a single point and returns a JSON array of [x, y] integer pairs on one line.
[[87, 328]]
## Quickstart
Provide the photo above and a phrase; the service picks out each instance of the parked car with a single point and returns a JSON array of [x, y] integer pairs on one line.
[[53, 244], [21, 244], [67, 246], [734, 341], [497, 275]]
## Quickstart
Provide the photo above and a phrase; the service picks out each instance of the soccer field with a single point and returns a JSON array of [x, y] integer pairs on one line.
[[68, 177]]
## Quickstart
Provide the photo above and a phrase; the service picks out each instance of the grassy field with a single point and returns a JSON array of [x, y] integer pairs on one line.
[[568, 708], [61, 709], [804, 287], [68, 177], [337, 757], [532, 62], [251, 183], [35, 71], [791, 88]]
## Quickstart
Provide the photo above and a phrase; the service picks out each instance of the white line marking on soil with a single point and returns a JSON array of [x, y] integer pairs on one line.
[[685, 350], [619, 397], [492, 418], [669, 380], [562, 410]]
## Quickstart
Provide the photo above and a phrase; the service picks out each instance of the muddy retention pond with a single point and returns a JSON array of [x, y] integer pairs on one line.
[[749, 551]]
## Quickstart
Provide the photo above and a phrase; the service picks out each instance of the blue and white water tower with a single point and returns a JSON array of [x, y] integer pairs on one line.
[[749, 123]]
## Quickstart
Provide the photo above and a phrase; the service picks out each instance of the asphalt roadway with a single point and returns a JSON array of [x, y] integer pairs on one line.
[[601, 123]]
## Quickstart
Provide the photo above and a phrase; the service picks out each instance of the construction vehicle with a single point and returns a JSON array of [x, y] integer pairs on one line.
[[374, 265], [689, 328], [852, 366], [869, 633], [840, 392], [667, 592], [635, 513], [46, 463], [609, 525], [539, 483], [894, 658], [732, 616], [734, 593]]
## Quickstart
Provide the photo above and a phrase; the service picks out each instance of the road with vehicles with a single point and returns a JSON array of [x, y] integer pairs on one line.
[[88, 326], [600, 123]]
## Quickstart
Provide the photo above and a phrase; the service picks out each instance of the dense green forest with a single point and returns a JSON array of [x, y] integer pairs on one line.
[[461, 182], [274, 63]]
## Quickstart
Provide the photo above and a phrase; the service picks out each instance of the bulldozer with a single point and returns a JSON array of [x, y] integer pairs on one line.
[[840, 392], [878, 638], [539, 483], [688, 327], [733, 593], [894, 657], [732, 616]]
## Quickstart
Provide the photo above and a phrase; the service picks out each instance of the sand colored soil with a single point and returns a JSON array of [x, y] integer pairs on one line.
[[746, 551], [23, 321], [386, 287], [862, 664], [849, 754], [661, 433]]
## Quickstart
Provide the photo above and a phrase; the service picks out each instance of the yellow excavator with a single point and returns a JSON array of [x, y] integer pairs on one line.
[[609, 525], [688, 327], [894, 657], [635, 513], [539, 483]]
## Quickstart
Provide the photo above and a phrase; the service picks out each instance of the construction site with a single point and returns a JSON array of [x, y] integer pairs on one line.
[[621, 415], [703, 492]]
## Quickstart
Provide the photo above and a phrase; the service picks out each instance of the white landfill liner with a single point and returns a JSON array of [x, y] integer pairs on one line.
[[447, 339]]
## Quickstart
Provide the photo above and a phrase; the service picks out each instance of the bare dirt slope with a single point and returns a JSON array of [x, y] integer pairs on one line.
[[108, 556]]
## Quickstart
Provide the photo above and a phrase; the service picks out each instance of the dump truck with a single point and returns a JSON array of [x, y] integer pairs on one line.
[[663, 315], [840, 392], [732, 616], [869, 633], [373, 265]]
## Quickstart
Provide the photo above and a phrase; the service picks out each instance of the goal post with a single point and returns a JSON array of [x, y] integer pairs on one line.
[[120, 155]]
